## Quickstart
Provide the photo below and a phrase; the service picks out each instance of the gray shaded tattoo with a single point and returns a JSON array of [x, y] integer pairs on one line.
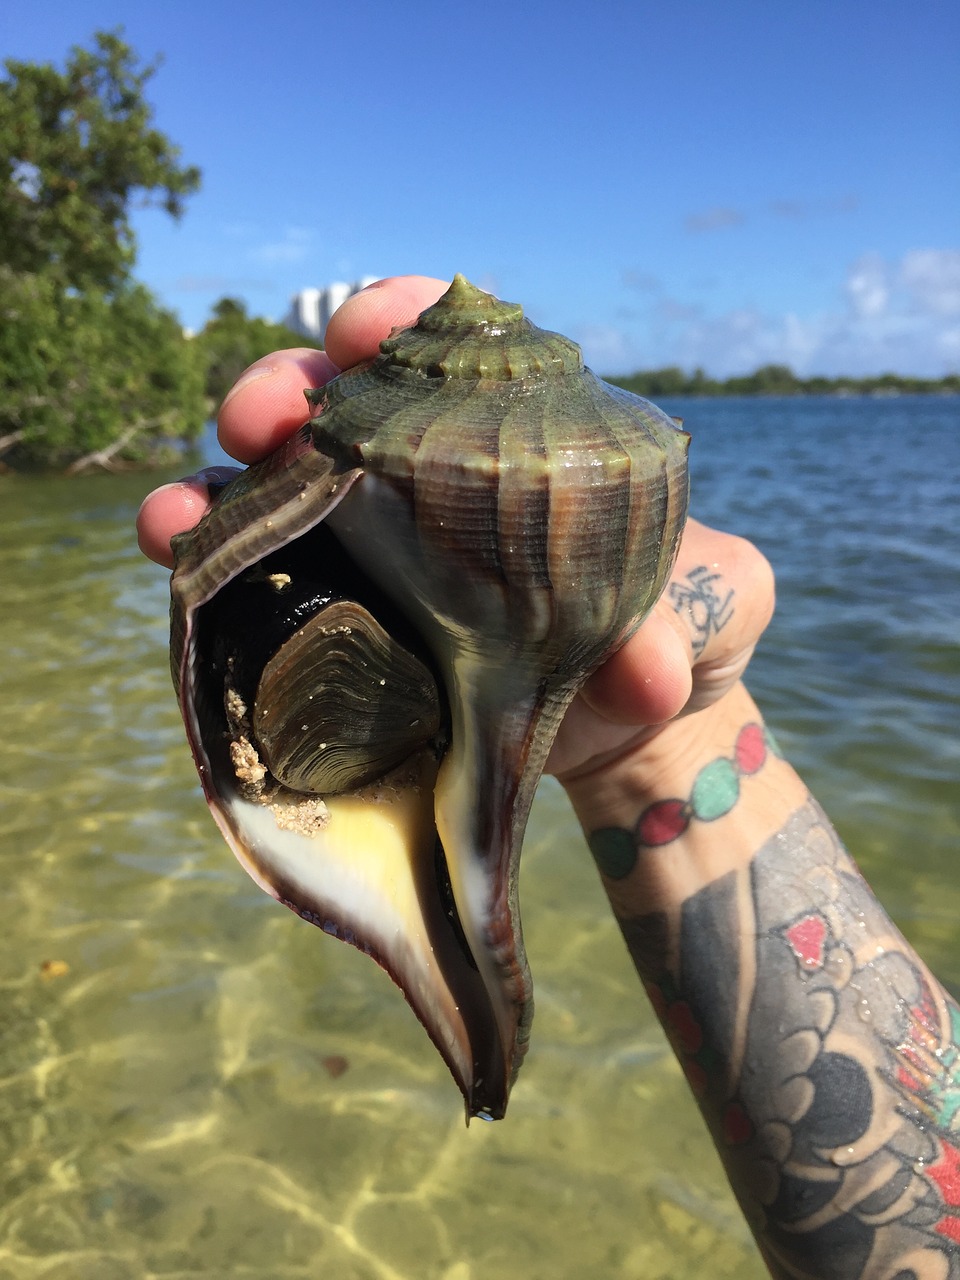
[[825, 1059], [698, 596]]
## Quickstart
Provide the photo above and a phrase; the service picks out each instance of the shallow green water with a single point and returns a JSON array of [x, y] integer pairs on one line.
[[173, 1105]]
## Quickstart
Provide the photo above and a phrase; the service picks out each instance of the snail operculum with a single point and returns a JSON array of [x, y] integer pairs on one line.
[[326, 693], [342, 702]]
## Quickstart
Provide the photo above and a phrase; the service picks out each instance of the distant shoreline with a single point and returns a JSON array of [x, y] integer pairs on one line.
[[779, 380]]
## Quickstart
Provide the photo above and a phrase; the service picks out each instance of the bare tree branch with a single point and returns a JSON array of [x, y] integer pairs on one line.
[[104, 458]]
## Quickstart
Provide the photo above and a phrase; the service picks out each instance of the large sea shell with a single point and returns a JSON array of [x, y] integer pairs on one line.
[[377, 630]]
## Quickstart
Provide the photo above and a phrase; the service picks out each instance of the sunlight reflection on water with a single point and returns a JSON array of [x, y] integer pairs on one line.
[[167, 1103]]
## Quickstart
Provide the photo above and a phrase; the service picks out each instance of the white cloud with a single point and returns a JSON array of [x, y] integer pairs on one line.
[[950, 346], [606, 348], [716, 219], [217, 284], [867, 286], [642, 281], [293, 246], [672, 309], [806, 208], [932, 278], [888, 316]]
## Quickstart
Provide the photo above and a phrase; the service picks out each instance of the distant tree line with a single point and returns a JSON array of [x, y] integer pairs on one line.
[[778, 380]]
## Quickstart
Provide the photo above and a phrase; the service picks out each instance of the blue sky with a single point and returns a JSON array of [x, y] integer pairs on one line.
[[715, 184]]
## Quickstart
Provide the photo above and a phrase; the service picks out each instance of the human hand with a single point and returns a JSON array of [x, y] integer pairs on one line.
[[266, 403], [689, 652]]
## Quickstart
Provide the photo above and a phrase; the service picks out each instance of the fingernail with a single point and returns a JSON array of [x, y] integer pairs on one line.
[[253, 374], [214, 479]]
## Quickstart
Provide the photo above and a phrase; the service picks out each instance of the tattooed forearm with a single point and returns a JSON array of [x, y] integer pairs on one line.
[[824, 1056], [708, 611]]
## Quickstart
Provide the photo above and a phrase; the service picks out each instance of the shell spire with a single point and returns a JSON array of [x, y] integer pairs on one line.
[[471, 334]]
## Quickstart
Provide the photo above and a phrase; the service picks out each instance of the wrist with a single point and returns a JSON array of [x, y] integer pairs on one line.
[[690, 804], [662, 763]]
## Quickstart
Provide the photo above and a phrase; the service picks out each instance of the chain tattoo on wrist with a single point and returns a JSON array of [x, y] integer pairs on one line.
[[715, 791]]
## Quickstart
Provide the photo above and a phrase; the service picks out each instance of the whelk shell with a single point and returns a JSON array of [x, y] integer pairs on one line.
[[377, 630]]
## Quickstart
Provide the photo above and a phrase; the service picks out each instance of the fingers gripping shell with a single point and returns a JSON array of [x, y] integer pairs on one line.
[[500, 520]]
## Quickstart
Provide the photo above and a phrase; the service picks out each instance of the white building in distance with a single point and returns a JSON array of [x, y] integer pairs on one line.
[[311, 309]]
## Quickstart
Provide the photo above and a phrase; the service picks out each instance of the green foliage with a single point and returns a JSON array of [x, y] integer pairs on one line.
[[670, 381], [768, 380], [76, 147], [89, 376], [231, 340], [92, 369], [778, 380]]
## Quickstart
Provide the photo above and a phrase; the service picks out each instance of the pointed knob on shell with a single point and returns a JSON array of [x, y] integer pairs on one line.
[[471, 334]]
